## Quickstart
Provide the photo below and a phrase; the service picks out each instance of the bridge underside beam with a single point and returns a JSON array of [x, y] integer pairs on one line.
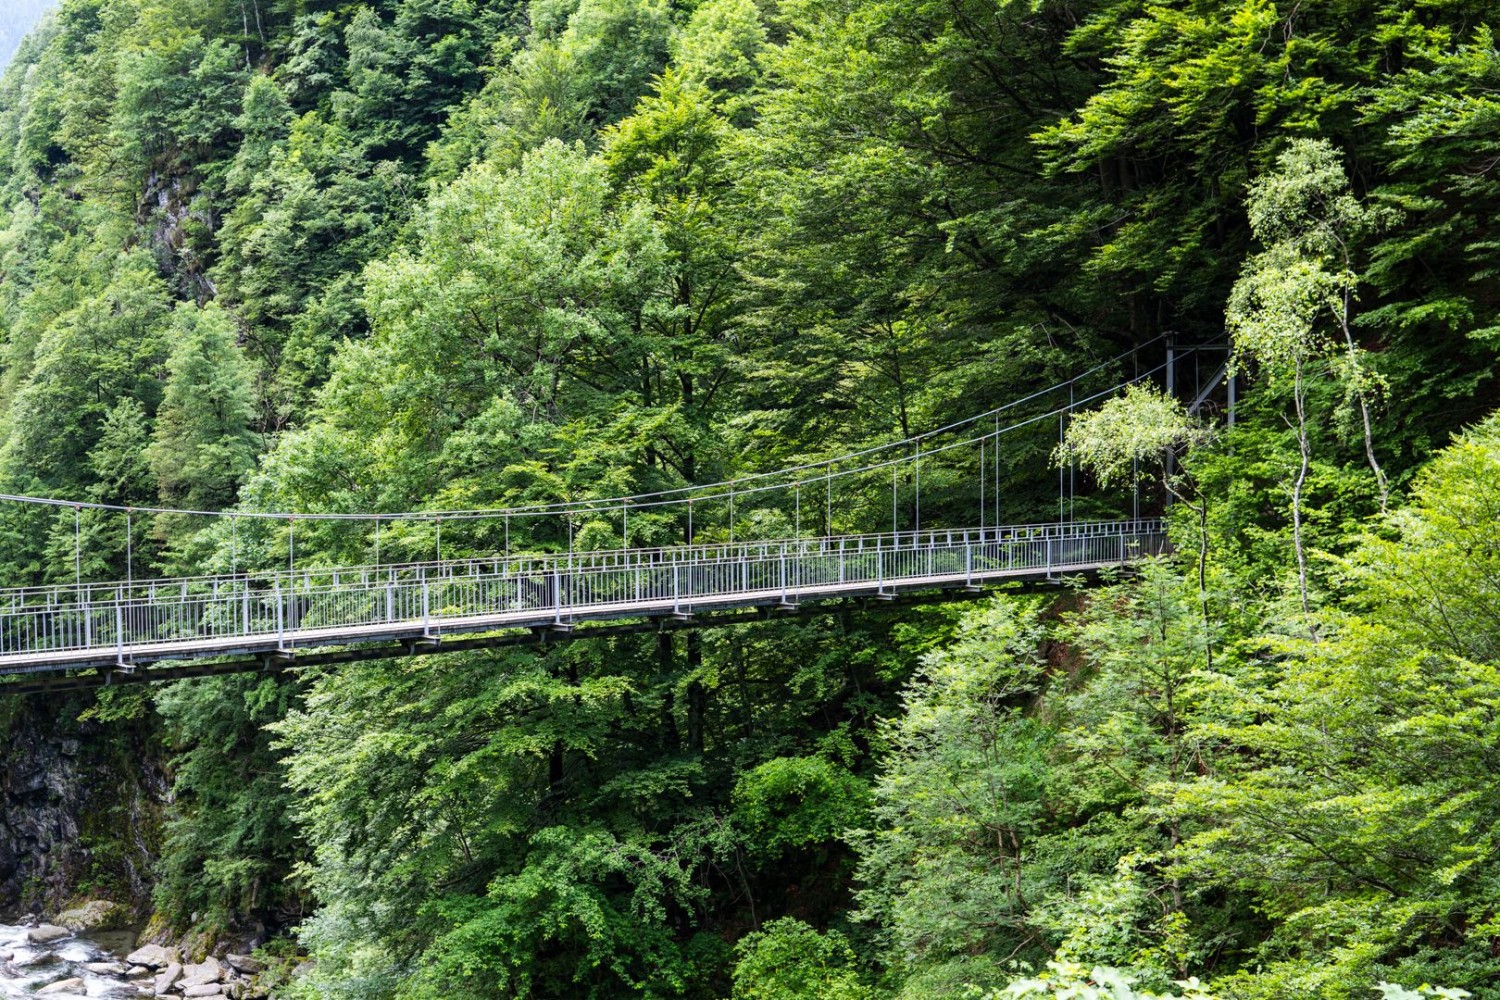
[[279, 662]]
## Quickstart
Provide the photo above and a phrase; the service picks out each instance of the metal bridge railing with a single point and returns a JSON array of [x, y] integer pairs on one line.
[[196, 616]]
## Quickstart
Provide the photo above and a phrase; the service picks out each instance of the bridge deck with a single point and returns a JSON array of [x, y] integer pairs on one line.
[[127, 624]]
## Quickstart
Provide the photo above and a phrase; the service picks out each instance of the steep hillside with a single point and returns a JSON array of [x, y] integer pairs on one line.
[[396, 255]]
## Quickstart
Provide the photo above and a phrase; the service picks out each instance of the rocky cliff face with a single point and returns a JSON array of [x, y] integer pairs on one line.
[[79, 806]]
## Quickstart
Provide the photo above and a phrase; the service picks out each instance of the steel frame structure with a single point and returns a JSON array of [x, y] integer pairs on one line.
[[123, 625]]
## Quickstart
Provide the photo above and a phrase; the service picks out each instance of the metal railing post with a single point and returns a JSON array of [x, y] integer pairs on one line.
[[280, 618], [783, 573], [426, 605]]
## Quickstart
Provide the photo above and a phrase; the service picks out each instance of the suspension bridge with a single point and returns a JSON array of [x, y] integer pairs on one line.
[[84, 634]]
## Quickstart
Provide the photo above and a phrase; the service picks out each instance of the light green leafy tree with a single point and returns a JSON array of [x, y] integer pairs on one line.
[[788, 960], [1354, 794], [204, 443], [1072, 981], [720, 48], [1120, 442], [1131, 740], [1291, 292], [1303, 211], [960, 805], [618, 47]]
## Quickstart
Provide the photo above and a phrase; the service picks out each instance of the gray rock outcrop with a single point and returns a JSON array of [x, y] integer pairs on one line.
[[245, 963], [57, 777], [152, 956], [168, 978], [47, 933], [210, 970], [95, 915]]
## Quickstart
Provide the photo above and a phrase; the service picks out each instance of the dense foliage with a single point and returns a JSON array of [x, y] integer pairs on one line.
[[401, 254]]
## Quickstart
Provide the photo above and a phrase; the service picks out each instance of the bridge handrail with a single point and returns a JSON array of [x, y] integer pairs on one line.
[[64, 595], [170, 620]]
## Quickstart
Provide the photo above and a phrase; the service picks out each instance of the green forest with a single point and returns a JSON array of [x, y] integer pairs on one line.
[[361, 256]]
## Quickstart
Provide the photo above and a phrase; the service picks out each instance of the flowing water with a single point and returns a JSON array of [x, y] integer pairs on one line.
[[34, 966]]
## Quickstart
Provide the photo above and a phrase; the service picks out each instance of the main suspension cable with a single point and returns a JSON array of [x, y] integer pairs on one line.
[[662, 498]]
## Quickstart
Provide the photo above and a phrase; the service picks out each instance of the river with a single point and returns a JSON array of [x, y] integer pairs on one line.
[[34, 966]]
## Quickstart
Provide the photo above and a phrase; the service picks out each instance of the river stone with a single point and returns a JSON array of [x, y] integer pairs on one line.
[[168, 977], [62, 986], [95, 915], [47, 933], [246, 964], [153, 955], [205, 990], [137, 971], [207, 971], [106, 968]]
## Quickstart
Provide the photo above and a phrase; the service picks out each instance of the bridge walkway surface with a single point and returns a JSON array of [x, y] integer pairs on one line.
[[119, 627]]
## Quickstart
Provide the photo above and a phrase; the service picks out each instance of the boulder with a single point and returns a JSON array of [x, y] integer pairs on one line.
[[205, 990], [95, 915], [168, 978], [246, 964], [63, 986], [106, 968], [47, 933], [153, 955], [137, 971], [207, 971]]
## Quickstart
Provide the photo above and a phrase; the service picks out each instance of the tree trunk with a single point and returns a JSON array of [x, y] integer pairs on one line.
[[1364, 408], [1304, 452]]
